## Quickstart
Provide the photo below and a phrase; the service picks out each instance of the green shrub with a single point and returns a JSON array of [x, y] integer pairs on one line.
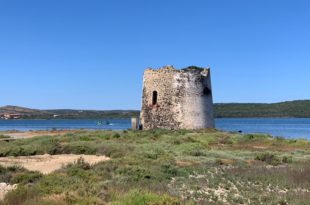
[[7, 173], [170, 170], [176, 142], [253, 137], [25, 178], [272, 159], [226, 140], [135, 173], [116, 135], [113, 150], [78, 148], [287, 159], [151, 155], [268, 158], [55, 148], [4, 137], [192, 67], [136, 197], [81, 163], [197, 153], [23, 151]]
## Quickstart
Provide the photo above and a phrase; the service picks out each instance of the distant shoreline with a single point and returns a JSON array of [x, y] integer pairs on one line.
[[289, 109], [128, 118]]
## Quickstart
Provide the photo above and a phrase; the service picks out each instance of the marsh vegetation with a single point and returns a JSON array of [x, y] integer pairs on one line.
[[163, 167]]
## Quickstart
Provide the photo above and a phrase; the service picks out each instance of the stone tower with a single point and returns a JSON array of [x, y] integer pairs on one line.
[[177, 99]]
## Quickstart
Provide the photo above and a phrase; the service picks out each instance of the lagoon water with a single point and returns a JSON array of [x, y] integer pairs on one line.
[[285, 127]]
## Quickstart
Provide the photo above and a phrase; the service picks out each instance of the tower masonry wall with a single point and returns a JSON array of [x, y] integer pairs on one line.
[[177, 99]]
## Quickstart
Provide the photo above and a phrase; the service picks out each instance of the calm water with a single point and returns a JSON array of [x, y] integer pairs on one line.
[[290, 127]]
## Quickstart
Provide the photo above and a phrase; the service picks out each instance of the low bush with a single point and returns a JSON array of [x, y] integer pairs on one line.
[[170, 170], [78, 148], [81, 163], [272, 159], [226, 140], [254, 137], [268, 158], [136, 197], [23, 151], [55, 148], [197, 153], [26, 177], [112, 150], [4, 137], [287, 159], [8, 173], [116, 135]]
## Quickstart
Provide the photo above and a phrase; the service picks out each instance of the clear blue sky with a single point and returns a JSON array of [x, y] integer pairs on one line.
[[91, 54]]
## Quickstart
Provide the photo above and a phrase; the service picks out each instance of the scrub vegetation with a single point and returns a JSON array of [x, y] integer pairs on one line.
[[4, 136], [292, 109], [159, 167]]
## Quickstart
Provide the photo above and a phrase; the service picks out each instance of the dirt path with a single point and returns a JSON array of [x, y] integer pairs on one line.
[[30, 134], [48, 163]]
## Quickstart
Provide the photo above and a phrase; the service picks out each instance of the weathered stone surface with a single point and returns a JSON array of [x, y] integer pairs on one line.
[[177, 99], [134, 123]]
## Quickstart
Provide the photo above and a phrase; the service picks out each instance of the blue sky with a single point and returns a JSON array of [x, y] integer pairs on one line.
[[91, 54]]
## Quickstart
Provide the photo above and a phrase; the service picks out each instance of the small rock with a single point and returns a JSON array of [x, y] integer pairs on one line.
[[5, 188]]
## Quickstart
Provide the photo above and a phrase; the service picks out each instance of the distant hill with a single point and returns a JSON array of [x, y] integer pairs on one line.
[[93, 114], [298, 109], [27, 113]]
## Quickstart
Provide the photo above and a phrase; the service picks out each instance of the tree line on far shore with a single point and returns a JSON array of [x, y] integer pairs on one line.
[[292, 109]]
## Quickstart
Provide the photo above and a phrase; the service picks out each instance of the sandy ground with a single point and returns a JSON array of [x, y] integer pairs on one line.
[[30, 134], [48, 163], [42, 163]]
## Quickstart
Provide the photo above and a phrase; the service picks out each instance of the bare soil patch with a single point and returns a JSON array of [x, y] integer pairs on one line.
[[30, 134], [48, 163]]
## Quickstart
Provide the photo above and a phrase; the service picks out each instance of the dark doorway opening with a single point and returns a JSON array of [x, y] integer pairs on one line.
[[206, 91], [154, 99]]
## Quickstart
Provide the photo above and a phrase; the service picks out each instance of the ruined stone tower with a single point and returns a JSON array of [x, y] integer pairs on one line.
[[177, 99]]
